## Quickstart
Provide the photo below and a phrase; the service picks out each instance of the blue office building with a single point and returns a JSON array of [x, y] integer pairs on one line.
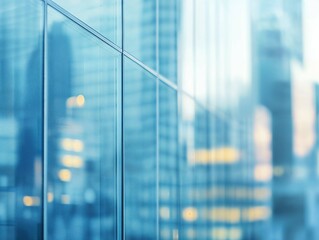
[[159, 119]]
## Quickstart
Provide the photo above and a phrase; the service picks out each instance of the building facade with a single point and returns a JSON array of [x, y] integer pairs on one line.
[[159, 119]]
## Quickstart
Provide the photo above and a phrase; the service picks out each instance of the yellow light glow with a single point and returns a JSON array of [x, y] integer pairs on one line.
[[31, 201], [75, 145], [65, 175], [50, 197], [223, 155], [263, 173], [219, 233], [164, 213], [224, 214], [223, 233], [258, 193], [72, 161], [80, 100], [258, 213], [27, 201], [75, 101], [65, 199], [190, 214], [67, 144]]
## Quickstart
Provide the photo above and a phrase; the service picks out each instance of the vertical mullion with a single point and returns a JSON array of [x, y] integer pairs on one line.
[[157, 115], [45, 123], [120, 141], [157, 158]]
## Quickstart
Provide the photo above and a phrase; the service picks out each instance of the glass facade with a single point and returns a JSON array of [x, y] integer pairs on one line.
[[159, 119]]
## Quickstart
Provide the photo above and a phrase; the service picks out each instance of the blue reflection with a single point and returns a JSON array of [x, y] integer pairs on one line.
[[218, 142], [140, 164], [21, 120], [81, 133]]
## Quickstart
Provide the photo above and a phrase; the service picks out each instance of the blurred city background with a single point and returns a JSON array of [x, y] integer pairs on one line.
[[159, 119]]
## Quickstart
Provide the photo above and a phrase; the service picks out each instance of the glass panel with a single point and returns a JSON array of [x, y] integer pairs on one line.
[[286, 55], [168, 163], [168, 33], [140, 167], [21, 119], [102, 15], [82, 76], [186, 57], [140, 30], [189, 209]]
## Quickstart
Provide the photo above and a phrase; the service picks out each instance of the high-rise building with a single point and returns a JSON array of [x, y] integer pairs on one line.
[[159, 119]]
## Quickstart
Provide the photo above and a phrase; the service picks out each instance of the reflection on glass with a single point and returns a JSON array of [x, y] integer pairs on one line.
[[21, 119], [168, 14], [140, 165], [82, 76], [102, 15], [189, 207], [231, 154], [140, 30], [168, 211]]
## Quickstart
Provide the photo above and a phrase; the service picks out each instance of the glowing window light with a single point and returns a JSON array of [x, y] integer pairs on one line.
[[223, 233], [75, 101], [222, 155], [72, 161], [50, 197], [75, 145], [219, 233], [190, 214], [65, 175], [80, 100], [258, 213], [224, 214], [263, 173], [29, 201]]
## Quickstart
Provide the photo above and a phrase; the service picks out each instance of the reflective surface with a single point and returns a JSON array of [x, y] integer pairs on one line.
[[140, 160], [202, 125], [82, 76], [140, 21], [102, 15], [168, 32], [168, 179], [21, 147]]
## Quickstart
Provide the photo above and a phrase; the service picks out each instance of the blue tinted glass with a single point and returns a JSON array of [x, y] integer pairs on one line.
[[140, 166], [21, 105], [140, 30], [186, 58], [192, 188], [102, 15], [168, 163], [168, 32], [82, 76]]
